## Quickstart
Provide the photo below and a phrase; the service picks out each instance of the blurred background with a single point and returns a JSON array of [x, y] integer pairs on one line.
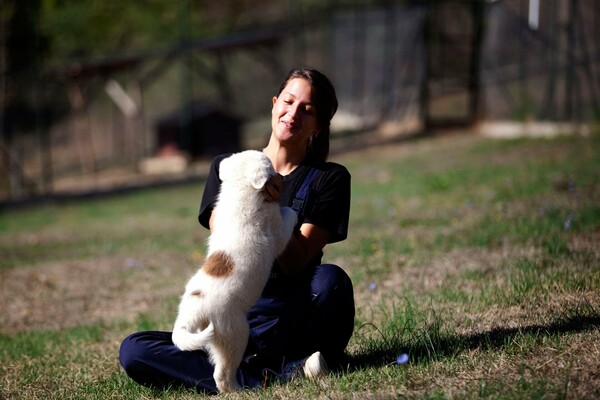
[[98, 95]]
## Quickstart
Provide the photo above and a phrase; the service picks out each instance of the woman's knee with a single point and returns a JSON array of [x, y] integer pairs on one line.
[[129, 354], [333, 296], [136, 357], [330, 281], [332, 320]]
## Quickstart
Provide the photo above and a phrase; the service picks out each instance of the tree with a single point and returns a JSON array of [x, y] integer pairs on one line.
[[23, 49]]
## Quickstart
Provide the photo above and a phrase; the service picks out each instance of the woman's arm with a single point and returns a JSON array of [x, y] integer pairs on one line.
[[305, 243], [211, 220], [302, 247]]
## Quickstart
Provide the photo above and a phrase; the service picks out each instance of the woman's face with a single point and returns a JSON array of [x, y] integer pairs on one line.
[[293, 117]]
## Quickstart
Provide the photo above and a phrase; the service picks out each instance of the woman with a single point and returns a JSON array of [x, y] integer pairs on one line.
[[306, 307]]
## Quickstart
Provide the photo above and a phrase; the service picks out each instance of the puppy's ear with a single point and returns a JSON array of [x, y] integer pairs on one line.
[[258, 178]]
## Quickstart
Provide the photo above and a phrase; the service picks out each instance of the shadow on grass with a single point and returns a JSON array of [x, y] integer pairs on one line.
[[432, 346]]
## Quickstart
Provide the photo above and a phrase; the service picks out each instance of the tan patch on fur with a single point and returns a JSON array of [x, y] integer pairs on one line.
[[197, 293], [219, 265]]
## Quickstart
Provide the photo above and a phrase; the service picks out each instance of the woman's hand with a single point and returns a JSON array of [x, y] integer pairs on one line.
[[273, 188]]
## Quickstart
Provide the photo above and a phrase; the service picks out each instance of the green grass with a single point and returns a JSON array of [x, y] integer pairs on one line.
[[145, 221], [476, 258]]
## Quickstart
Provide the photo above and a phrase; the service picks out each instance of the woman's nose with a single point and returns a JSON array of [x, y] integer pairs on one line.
[[294, 112]]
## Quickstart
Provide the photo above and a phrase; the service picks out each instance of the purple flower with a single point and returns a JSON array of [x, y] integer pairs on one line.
[[567, 224], [373, 286], [402, 359]]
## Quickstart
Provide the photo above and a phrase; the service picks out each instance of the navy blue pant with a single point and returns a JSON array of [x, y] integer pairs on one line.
[[295, 316]]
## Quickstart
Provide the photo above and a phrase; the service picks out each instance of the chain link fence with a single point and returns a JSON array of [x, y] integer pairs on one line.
[[399, 67]]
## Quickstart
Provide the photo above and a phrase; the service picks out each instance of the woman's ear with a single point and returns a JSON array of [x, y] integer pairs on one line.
[[274, 100]]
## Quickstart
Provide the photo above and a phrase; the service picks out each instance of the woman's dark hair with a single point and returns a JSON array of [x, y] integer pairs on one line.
[[325, 101]]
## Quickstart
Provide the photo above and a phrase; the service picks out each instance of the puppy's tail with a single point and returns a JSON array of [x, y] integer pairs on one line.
[[190, 341]]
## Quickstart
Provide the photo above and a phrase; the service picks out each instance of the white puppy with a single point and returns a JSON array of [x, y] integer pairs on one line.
[[248, 234]]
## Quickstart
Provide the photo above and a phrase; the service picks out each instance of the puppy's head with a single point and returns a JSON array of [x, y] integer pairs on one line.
[[247, 167]]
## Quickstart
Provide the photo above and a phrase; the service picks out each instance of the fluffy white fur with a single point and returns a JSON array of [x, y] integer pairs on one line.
[[248, 234]]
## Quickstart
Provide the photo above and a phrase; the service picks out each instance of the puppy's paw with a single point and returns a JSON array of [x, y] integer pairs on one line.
[[227, 387]]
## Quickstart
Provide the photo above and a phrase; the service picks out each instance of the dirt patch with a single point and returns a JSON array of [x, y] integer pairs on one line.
[[63, 295]]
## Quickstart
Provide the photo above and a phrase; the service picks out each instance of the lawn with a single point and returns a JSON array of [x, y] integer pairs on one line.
[[475, 265]]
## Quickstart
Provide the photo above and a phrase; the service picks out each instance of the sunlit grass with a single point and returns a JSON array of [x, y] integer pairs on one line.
[[477, 259]]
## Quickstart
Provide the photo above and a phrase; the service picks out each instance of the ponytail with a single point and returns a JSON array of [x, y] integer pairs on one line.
[[318, 146]]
